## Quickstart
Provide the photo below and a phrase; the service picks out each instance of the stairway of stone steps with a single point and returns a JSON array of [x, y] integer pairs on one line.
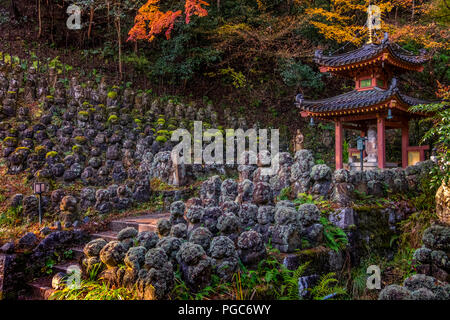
[[41, 289]]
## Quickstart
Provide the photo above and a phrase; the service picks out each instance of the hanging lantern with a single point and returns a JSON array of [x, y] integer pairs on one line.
[[389, 115], [311, 122]]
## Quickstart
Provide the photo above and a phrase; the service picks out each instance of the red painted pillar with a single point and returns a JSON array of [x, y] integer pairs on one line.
[[422, 154], [338, 144], [405, 145], [381, 147]]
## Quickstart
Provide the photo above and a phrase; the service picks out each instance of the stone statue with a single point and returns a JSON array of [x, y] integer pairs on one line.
[[53, 77], [371, 147], [298, 141], [128, 98], [60, 93], [42, 88], [102, 92], [3, 85]]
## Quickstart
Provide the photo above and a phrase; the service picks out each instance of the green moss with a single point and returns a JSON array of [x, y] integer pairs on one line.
[[137, 121], [76, 148], [39, 149], [112, 118], [11, 140], [162, 132], [112, 95], [51, 154], [80, 139], [161, 121], [161, 139]]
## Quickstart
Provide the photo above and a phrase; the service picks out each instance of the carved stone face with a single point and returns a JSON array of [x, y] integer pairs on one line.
[[3, 82], [78, 92], [102, 87], [214, 117], [128, 95], [13, 84]]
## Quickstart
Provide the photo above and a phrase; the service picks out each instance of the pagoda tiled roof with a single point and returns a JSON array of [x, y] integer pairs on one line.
[[357, 99], [368, 52]]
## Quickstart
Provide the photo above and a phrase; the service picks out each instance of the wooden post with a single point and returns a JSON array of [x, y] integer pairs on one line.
[[338, 144], [405, 144], [381, 147]]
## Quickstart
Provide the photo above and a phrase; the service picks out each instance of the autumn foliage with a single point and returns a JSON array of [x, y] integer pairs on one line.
[[194, 7], [344, 21], [151, 21]]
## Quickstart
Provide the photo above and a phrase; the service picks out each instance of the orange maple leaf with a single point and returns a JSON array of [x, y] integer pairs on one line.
[[151, 21]]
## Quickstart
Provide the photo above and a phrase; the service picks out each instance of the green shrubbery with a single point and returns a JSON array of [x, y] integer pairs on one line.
[[11, 217], [270, 280]]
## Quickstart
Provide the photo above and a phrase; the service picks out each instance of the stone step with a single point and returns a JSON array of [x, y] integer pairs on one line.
[[64, 266], [107, 235], [77, 252], [141, 223], [118, 225], [146, 227], [40, 289]]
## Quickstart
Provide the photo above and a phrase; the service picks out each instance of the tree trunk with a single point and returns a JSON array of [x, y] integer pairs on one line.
[[91, 19], [14, 11], [39, 19], [119, 38], [107, 14]]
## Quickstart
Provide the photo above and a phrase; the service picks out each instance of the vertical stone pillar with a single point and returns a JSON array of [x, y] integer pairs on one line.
[[381, 142], [338, 144]]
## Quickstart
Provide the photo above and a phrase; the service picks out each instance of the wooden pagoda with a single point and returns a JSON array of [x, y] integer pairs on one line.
[[375, 104]]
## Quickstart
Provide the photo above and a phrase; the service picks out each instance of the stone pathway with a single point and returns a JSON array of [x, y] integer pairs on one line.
[[41, 289]]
